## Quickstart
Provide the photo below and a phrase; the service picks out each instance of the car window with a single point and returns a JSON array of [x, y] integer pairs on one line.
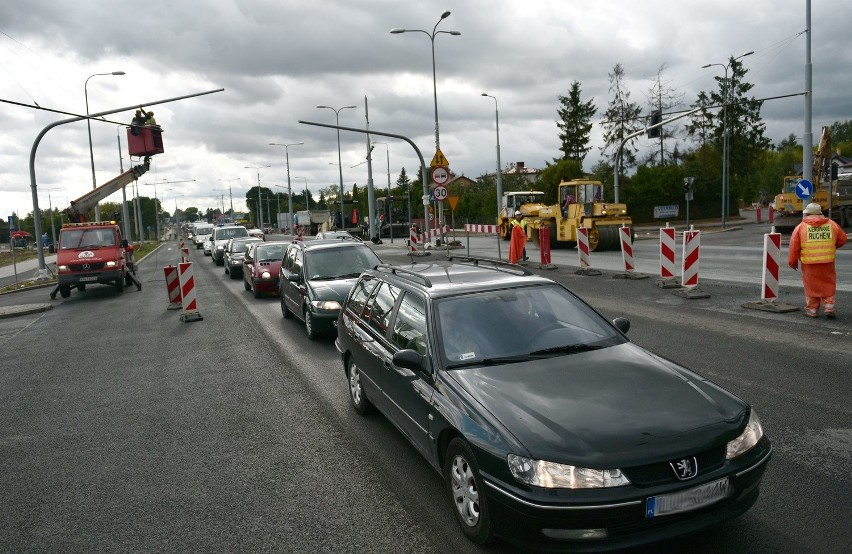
[[382, 306], [409, 327], [270, 252], [340, 263], [516, 322], [297, 262], [360, 293]]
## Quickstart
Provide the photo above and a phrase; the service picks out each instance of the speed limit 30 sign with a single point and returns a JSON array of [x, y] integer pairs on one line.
[[440, 193]]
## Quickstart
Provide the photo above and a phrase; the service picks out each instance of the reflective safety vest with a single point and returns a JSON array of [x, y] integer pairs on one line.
[[817, 244], [522, 223]]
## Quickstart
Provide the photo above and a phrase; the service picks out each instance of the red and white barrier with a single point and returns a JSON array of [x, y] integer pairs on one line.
[[172, 287], [187, 290], [487, 229], [667, 252], [757, 213], [627, 249], [771, 263], [689, 268], [413, 239], [436, 232], [583, 247]]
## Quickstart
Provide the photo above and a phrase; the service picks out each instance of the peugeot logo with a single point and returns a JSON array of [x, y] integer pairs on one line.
[[685, 469], [87, 267]]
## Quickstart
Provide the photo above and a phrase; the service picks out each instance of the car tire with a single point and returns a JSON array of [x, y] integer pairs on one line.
[[285, 311], [311, 326], [467, 493], [119, 284], [357, 396], [64, 291]]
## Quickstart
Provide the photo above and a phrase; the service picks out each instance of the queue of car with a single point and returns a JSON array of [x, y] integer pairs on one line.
[[549, 427]]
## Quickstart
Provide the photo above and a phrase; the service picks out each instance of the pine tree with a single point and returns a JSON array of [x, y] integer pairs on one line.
[[575, 123], [701, 122], [663, 98], [620, 120]]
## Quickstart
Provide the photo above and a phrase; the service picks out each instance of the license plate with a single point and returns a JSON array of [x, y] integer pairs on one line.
[[690, 499], [92, 278]]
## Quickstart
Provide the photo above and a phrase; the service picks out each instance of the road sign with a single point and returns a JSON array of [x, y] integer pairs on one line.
[[440, 193], [438, 159], [440, 175], [453, 201], [804, 189]]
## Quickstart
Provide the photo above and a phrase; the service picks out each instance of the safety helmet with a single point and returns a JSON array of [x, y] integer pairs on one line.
[[517, 213], [813, 209]]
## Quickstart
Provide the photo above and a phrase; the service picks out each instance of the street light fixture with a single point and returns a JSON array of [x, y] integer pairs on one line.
[[259, 204], [499, 167], [89, 125], [289, 190], [432, 36], [725, 157], [339, 163]]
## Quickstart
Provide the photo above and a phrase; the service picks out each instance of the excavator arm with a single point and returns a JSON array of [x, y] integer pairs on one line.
[[81, 206]]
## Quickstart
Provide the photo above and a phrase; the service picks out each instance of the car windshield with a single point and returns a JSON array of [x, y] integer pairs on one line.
[[521, 324], [239, 246], [86, 238], [269, 253], [230, 232], [339, 263]]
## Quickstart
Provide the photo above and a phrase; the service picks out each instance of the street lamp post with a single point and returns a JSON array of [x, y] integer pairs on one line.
[[307, 203], [89, 125], [231, 194], [339, 162], [259, 204], [156, 203], [499, 167], [289, 189], [390, 205], [725, 158], [432, 36]]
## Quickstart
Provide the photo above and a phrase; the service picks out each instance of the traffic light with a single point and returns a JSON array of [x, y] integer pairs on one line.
[[656, 117], [687, 184]]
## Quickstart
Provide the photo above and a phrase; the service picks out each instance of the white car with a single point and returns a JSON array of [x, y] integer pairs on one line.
[[202, 233], [220, 237], [255, 232]]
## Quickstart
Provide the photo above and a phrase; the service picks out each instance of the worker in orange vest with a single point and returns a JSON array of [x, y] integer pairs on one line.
[[813, 243]]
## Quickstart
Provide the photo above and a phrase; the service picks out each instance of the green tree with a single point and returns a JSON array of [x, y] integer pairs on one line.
[[553, 174], [620, 120], [701, 122], [575, 123], [791, 142]]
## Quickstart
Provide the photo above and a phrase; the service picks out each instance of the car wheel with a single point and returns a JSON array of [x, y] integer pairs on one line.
[[246, 285], [357, 395], [64, 291], [119, 284], [311, 326], [467, 492], [285, 311]]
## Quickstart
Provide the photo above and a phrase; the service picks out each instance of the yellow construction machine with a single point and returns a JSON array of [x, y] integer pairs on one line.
[[581, 205]]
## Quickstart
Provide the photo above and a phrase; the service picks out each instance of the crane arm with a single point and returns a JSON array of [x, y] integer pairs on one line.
[[81, 206]]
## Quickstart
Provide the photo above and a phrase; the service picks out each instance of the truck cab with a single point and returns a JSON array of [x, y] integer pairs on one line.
[[90, 253]]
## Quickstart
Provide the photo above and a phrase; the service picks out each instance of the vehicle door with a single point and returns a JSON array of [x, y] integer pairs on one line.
[[405, 391], [366, 354], [248, 264], [296, 286]]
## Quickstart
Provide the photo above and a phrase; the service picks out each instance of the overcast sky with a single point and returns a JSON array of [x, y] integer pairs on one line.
[[278, 59]]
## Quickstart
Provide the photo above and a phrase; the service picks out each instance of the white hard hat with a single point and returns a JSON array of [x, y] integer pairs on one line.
[[813, 209], [517, 213]]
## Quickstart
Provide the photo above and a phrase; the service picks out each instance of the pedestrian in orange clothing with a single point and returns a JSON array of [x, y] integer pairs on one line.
[[813, 243], [518, 244]]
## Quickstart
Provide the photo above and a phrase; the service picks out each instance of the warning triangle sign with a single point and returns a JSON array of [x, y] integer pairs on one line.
[[439, 160]]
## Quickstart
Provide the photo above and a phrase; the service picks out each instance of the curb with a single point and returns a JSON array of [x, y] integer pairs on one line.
[[23, 309]]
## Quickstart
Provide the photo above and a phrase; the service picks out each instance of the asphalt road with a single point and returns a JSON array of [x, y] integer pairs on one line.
[[124, 429]]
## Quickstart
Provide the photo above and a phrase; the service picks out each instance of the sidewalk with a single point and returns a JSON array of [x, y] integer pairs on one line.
[[28, 269]]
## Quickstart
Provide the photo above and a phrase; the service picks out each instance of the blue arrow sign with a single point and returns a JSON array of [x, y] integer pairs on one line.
[[804, 189]]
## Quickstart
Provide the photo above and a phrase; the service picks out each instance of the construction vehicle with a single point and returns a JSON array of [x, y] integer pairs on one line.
[[94, 252], [834, 197], [581, 205], [313, 221], [527, 202]]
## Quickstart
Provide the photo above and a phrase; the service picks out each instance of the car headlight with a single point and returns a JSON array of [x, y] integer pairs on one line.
[[745, 442], [236, 262], [110, 263], [326, 304], [265, 275], [551, 475], [62, 268], [220, 248]]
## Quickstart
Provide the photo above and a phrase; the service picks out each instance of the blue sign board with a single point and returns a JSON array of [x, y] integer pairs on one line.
[[804, 189]]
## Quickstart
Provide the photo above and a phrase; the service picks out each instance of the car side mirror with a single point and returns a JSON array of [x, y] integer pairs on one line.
[[622, 324], [295, 277], [409, 359]]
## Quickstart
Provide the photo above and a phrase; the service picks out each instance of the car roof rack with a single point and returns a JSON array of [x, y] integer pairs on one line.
[[404, 273], [500, 265]]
